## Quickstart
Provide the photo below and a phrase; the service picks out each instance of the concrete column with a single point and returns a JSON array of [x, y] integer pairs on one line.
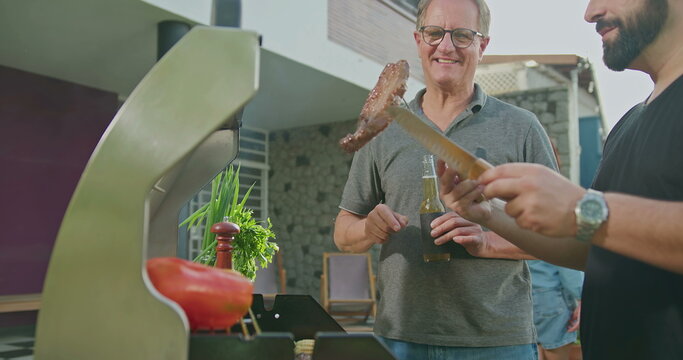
[[168, 33], [574, 143], [227, 13]]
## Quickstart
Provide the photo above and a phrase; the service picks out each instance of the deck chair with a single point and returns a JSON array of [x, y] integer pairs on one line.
[[272, 280], [347, 286]]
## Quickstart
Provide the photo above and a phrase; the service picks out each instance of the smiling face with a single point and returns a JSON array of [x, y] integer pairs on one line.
[[627, 28], [445, 66]]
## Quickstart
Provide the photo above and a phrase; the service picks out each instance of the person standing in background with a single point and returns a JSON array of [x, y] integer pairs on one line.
[[556, 294], [557, 297]]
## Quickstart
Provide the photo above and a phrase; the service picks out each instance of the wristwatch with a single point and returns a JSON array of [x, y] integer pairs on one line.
[[591, 211]]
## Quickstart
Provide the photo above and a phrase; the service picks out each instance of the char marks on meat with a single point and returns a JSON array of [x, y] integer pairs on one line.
[[388, 91]]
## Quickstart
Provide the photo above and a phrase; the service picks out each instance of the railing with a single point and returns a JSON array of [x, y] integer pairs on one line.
[[23, 302]]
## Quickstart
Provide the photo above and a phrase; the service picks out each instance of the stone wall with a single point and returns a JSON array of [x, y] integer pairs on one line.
[[307, 177], [551, 106]]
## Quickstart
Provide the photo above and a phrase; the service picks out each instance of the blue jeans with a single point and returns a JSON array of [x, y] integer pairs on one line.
[[551, 316], [404, 350]]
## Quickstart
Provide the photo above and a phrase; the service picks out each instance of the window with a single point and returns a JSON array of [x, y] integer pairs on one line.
[[406, 7], [253, 162]]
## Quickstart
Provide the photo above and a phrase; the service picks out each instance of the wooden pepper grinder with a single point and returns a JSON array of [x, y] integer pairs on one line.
[[225, 233]]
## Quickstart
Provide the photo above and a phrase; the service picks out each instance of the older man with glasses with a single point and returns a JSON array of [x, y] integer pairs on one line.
[[478, 304]]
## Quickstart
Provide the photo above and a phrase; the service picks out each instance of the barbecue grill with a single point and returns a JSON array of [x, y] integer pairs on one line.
[[175, 132]]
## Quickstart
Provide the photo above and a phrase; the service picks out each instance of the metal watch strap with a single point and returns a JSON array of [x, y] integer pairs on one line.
[[586, 229]]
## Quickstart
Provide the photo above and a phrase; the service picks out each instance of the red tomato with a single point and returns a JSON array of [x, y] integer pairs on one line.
[[212, 298]]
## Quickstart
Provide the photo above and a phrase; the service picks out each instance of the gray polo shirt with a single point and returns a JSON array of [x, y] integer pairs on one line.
[[467, 301]]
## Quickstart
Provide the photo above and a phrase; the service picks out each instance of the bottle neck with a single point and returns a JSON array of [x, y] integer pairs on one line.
[[430, 196], [430, 191], [429, 188]]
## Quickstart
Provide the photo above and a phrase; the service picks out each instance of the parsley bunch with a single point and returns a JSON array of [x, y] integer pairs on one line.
[[251, 245]]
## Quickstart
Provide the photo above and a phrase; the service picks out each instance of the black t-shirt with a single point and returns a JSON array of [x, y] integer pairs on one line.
[[632, 310]]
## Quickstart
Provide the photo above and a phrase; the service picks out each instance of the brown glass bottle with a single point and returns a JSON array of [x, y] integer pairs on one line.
[[430, 209]]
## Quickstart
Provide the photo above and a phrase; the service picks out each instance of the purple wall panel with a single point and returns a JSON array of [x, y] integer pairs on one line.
[[48, 129]]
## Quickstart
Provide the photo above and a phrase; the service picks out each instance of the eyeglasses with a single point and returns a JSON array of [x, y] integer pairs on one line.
[[460, 37]]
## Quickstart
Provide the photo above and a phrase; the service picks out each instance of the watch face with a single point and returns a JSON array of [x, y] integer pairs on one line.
[[592, 210]]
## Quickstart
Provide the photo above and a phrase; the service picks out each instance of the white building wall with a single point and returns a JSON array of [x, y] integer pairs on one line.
[[298, 30], [199, 11], [537, 79], [588, 105]]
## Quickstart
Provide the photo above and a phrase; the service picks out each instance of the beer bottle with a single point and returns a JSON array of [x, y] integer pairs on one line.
[[430, 209]]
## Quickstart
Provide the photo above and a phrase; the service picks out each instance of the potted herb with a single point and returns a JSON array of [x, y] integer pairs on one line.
[[251, 245]]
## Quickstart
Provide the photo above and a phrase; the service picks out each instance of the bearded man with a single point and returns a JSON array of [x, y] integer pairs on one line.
[[626, 232]]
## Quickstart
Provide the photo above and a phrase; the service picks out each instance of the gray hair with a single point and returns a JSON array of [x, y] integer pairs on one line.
[[484, 15]]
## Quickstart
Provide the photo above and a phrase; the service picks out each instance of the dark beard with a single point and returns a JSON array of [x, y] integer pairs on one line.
[[635, 34]]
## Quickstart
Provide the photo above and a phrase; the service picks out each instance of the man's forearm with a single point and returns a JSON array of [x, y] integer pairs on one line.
[[349, 233], [499, 248], [647, 230], [565, 252]]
